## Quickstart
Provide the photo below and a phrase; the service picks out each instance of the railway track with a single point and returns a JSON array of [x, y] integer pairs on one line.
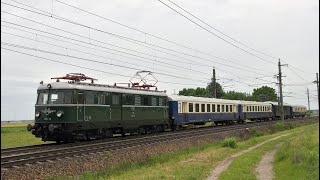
[[31, 154]]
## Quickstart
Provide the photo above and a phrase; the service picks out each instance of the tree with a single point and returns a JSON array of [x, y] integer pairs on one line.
[[219, 90], [236, 96], [264, 93]]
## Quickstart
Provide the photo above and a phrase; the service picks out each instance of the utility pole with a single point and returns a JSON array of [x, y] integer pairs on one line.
[[317, 82], [308, 100], [214, 86], [280, 89]]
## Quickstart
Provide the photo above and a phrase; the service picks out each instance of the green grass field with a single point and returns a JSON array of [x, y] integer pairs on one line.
[[196, 162], [16, 134]]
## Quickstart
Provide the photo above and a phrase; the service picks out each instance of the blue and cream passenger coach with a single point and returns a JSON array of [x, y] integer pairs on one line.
[[198, 110]]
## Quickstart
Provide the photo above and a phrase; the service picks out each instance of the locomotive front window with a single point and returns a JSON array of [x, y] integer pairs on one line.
[[56, 98], [42, 98]]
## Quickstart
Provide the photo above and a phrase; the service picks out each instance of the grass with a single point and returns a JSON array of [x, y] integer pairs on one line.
[[230, 142], [299, 157], [16, 134], [192, 163]]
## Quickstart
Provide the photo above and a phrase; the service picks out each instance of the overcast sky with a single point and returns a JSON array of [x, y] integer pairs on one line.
[[285, 29]]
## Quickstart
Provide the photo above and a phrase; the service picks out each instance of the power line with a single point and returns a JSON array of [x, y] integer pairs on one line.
[[67, 48], [143, 32], [216, 34], [96, 45], [70, 64], [95, 61], [221, 31], [141, 43]]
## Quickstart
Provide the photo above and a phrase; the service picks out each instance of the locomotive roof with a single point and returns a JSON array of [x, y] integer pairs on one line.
[[99, 87]]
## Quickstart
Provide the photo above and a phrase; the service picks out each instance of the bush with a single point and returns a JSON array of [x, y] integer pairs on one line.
[[230, 142], [279, 125], [255, 132]]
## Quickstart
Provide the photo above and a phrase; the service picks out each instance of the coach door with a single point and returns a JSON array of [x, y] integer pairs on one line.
[[80, 107]]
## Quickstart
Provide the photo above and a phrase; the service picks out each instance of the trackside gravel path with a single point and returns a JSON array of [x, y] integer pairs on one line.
[[264, 169], [226, 162]]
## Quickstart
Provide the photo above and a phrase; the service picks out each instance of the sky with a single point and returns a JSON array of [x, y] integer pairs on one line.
[[128, 36]]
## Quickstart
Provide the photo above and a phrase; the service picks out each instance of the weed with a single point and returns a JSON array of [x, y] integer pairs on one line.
[[256, 133], [230, 142]]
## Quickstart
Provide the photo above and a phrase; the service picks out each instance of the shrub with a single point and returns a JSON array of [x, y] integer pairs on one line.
[[279, 125], [255, 132], [230, 142]]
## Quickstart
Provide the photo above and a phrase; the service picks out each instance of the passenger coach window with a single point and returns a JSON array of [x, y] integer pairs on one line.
[[227, 108], [218, 108], [230, 108], [203, 108], [190, 107], [222, 108], [197, 108], [208, 108], [213, 108]]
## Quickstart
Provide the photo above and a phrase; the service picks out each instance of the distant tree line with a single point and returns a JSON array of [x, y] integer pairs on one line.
[[261, 94]]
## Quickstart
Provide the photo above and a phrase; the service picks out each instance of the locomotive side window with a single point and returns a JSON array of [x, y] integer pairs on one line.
[[115, 99], [145, 100], [89, 98], [56, 98], [42, 98], [68, 97], [137, 100], [128, 99], [153, 101]]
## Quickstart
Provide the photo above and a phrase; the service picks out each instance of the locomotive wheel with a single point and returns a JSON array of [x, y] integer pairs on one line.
[[141, 130]]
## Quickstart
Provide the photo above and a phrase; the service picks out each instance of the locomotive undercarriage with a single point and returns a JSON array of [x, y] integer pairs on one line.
[[67, 132]]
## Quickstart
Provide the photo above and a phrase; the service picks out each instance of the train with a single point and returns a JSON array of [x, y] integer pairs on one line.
[[76, 111]]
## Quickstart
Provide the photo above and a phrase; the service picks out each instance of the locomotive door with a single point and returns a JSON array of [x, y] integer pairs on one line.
[[80, 107], [116, 110]]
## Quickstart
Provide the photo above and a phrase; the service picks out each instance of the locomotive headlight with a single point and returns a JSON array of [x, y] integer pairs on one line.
[[37, 114], [59, 114]]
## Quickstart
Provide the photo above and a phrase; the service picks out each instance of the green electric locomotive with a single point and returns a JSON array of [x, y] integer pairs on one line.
[[74, 110]]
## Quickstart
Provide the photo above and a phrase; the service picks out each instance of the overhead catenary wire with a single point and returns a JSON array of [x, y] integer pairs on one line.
[[95, 61], [217, 35], [99, 46], [70, 64], [129, 39], [168, 66], [220, 31]]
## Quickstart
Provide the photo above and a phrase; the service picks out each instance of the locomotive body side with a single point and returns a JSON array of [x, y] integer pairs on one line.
[[72, 111]]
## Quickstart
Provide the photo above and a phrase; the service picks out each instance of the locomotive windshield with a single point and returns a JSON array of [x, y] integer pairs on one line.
[[55, 97]]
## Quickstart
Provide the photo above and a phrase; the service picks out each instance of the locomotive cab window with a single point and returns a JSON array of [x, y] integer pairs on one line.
[[43, 98]]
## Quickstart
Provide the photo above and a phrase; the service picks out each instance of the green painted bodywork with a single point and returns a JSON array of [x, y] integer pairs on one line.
[[82, 116]]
